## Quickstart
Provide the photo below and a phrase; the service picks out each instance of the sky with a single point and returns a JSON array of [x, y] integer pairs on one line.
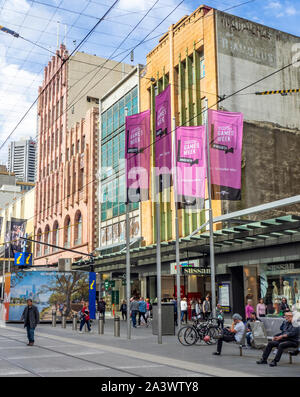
[[22, 63]]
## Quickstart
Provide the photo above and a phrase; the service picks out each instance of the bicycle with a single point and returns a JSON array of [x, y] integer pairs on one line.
[[191, 334]]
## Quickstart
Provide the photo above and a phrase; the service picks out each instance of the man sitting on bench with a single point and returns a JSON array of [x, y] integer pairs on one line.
[[288, 337], [233, 334]]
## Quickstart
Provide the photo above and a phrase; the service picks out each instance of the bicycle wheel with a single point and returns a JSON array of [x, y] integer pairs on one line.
[[187, 335], [214, 333]]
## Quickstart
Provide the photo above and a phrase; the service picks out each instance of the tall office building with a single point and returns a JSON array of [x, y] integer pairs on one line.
[[21, 160]]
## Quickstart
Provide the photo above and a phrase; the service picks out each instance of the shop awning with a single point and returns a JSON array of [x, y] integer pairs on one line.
[[280, 230]]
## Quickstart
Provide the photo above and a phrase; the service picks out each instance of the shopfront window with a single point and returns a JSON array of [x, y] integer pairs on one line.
[[279, 281]]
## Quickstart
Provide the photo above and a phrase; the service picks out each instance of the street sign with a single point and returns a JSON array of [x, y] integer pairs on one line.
[[92, 294], [23, 259]]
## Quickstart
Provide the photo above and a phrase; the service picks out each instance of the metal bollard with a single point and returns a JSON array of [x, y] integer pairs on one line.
[[53, 318], [63, 320], [74, 324], [117, 326], [101, 325], [85, 327]]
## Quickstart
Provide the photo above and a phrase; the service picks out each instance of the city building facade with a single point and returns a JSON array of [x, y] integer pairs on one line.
[[22, 160], [122, 98], [203, 56], [66, 212]]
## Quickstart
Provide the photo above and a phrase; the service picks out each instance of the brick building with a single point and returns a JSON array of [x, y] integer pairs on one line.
[[66, 210]]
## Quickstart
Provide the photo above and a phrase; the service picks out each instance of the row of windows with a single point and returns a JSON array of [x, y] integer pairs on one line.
[[113, 199], [53, 236], [113, 154], [114, 118]]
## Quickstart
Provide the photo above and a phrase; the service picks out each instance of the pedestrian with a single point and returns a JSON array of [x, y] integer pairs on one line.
[[220, 316], [183, 309], [123, 310], [134, 309], [249, 309], [199, 310], [261, 309], [288, 337], [31, 318], [142, 310], [193, 308], [101, 308], [85, 317], [174, 301], [284, 307], [206, 308], [249, 336], [149, 308], [235, 333]]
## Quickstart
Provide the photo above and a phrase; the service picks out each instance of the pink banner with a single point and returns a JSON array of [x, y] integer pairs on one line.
[[163, 139], [137, 155], [191, 163], [226, 135]]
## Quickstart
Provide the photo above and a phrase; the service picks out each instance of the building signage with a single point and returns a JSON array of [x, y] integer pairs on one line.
[[289, 267], [23, 259], [200, 271], [92, 295], [184, 264]]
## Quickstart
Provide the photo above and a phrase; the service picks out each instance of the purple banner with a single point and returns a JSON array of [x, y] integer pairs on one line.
[[137, 155], [226, 135], [191, 163], [163, 139]]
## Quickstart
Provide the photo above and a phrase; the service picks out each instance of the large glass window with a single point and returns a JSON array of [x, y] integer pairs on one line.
[[113, 152]]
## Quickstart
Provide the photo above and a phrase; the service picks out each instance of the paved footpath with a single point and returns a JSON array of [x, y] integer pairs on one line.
[[64, 352]]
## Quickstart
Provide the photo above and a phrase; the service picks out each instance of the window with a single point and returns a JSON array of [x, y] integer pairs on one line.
[[55, 240], [67, 232], [38, 246], [78, 228], [47, 240], [202, 68]]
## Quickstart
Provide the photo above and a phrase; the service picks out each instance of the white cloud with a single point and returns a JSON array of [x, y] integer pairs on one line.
[[275, 5], [290, 10]]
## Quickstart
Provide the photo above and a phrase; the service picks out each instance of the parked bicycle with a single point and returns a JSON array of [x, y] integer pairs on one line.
[[200, 331]]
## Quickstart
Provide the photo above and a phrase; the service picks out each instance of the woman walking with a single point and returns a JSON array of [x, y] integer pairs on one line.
[[123, 310]]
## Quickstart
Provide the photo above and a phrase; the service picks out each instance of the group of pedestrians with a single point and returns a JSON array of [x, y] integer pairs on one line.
[[140, 307], [199, 309], [261, 308]]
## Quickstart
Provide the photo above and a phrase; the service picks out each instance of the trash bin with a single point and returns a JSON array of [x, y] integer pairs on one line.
[[167, 319]]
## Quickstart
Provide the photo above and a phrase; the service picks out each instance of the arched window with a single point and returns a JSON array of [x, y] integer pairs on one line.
[[78, 228], [67, 232], [55, 236], [38, 246], [47, 240]]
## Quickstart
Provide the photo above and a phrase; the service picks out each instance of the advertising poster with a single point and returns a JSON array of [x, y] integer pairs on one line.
[[17, 230], [163, 139], [47, 289], [137, 153], [226, 135], [8, 251], [190, 163], [224, 297]]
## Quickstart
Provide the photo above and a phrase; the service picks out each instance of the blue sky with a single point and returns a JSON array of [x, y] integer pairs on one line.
[[22, 64]]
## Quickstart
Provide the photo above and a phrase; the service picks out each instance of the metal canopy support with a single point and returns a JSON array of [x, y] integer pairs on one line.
[[211, 225], [128, 286]]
